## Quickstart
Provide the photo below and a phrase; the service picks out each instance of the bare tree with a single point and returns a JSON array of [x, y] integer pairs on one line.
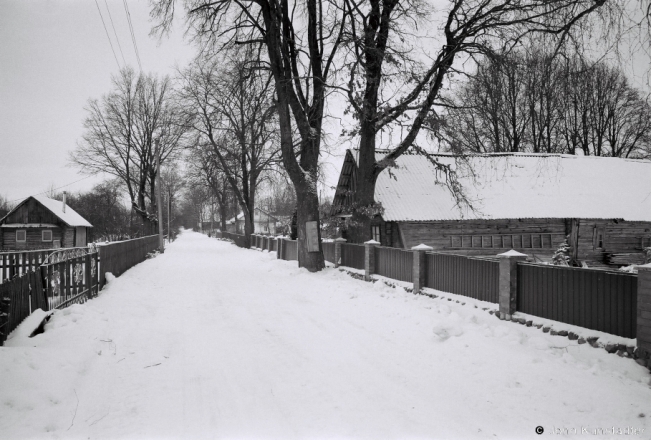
[[561, 105], [121, 132], [233, 112], [298, 42]]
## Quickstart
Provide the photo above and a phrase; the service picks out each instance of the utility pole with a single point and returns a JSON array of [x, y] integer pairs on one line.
[[169, 208], [161, 243]]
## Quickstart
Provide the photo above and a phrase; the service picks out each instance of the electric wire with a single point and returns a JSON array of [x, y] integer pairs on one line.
[[115, 33], [107, 35], [133, 35], [52, 189]]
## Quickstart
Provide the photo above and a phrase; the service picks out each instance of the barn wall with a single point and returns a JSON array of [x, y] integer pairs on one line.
[[32, 212], [68, 237], [540, 237], [34, 239]]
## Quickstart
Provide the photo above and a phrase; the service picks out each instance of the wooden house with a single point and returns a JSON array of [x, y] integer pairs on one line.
[[527, 202], [39, 222], [263, 223]]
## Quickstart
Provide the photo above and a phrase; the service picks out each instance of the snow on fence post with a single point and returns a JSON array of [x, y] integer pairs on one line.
[[419, 268], [508, 291], [643, 330], [338, 242], [369, 258]]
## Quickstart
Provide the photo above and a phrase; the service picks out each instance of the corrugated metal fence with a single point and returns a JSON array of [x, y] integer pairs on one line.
[[473, 277], [328, 251], [595, 299], [352, 255], [394, 263]]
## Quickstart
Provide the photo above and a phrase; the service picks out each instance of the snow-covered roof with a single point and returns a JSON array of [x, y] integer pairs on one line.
[[502, 186], [70, 216]]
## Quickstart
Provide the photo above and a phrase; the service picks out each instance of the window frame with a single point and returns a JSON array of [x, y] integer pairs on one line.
[[375, 237], [24, 231], [43, 236]]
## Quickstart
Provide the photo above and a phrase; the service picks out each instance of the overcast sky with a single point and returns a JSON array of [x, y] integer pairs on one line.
[[54, 56]]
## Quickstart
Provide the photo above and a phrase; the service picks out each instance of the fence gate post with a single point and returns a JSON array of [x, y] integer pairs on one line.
[[279, 242], [419, 268], [508, 294], [369, 258], [338, 243], [643, 331]]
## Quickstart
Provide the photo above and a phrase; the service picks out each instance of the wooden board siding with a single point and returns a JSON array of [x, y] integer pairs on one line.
[[68, 237], [487, 237], [33, 212], [34, 238]]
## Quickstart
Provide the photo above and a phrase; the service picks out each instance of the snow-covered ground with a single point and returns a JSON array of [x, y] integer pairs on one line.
[[212, 341]]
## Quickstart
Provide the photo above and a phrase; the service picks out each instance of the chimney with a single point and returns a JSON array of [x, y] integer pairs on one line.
[[64, 201]]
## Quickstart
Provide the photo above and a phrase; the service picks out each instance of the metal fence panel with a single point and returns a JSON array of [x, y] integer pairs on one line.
[[352, 255], [291, 250], [328, 251], [595, 299], [473, 277], [394, 263]]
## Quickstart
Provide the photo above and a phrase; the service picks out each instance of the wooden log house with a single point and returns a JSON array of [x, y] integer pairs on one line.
[[39, 222], [527, 202]]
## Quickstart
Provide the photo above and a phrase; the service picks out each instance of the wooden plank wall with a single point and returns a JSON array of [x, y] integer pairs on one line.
[[34, 238], [117, 258]]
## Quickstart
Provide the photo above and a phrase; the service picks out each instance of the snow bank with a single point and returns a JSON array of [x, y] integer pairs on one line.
[[212, 341]]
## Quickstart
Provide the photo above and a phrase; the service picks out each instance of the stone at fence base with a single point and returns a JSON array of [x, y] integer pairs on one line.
[[611, 348], [581, 341], [546, 329], [508, 286], [573, 336], [419, 267], [338, 243], [369, 258]]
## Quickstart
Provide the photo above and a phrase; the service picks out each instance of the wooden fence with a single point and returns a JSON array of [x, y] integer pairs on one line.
[[595, 299], [19, 263], [65, 277], [329, 251], [117, 258]]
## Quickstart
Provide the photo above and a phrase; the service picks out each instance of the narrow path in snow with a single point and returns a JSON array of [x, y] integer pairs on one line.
[[212, 341]]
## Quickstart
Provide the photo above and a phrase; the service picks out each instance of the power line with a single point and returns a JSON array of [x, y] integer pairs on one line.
[[115, 33], [133, 35], [52, 189], [107, 35]]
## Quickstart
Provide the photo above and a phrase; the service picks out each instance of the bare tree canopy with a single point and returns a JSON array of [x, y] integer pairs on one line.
[[121, 131], [532, 102], [297, 42], [232, 111]]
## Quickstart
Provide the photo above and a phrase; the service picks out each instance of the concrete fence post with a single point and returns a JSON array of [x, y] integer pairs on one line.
[[643, 331], [419, 267], [369, 258], [338, 243], [508, 293]]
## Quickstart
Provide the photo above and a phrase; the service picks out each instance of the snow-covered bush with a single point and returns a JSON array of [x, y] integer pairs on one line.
[[562, 255]]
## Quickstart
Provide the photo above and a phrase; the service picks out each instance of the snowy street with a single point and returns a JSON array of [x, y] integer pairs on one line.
[[212, 341]]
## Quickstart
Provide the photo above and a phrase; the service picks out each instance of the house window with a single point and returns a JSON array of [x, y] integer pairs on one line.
[[46, 235], [598, 237], [21, 236], [375, 231]]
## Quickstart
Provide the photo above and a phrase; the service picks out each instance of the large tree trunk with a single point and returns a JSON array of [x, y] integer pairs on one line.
[[359, 229], [307, 210]]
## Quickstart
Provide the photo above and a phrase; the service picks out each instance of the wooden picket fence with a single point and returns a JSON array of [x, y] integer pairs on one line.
[[65, 277]]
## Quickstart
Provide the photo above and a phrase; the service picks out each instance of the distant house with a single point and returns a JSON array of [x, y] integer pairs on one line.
[[263, 223], [39, 222], [527, 202]]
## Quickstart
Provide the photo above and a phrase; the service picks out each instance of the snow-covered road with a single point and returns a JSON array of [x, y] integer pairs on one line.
[[212, 341]]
